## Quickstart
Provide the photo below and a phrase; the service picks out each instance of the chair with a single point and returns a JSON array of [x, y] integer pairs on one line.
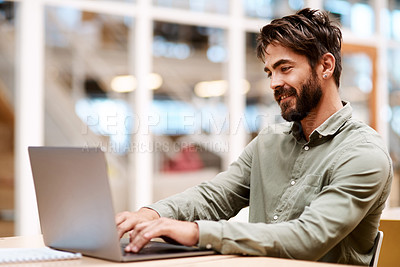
[[376, 249]]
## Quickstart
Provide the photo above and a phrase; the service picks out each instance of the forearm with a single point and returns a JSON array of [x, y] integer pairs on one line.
[[293, 239], [257, 239]]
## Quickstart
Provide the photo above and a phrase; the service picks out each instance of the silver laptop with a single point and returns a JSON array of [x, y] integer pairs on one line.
[[75, 207]]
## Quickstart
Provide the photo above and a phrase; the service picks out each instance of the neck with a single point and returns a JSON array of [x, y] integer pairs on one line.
[[329, 104]]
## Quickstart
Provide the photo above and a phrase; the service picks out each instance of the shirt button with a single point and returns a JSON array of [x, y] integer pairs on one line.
[[292, 182], [208, 246], [306, 148], [320, 136], [276, 217]]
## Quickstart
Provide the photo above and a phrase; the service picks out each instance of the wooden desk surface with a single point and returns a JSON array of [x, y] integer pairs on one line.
[[203, 261]]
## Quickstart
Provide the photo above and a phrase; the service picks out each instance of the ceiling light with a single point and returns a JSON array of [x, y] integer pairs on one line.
[[128, 83], [216, 88], [154, 81], [123, 83], [211, 88]]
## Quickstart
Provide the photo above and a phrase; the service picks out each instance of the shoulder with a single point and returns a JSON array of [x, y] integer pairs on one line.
[[361, 151], [358, 134]]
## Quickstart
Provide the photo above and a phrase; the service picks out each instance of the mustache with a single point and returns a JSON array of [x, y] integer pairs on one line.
[[278, 93]]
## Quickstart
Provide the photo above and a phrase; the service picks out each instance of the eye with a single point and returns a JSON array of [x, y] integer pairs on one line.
[[285, 68]]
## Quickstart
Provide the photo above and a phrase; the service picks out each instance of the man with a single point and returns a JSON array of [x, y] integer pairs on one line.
[[316, 187]]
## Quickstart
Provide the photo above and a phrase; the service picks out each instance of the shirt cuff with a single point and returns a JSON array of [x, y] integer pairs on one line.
[[210, 235]]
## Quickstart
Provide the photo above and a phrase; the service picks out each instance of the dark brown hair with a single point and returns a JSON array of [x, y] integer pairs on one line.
[[308, 32]]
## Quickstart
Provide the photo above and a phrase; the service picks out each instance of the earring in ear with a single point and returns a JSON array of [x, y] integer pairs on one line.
[[325, 76]]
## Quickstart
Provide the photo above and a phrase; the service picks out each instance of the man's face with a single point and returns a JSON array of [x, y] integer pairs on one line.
[[296, 87]]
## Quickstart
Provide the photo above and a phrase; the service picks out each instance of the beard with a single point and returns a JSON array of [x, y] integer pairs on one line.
[[305, 102]]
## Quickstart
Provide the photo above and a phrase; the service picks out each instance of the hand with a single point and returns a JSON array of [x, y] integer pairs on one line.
[[127, 221], [185, 233]]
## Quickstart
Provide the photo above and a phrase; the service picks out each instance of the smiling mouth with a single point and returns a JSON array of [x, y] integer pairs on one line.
[[283, 97], [283, 93]]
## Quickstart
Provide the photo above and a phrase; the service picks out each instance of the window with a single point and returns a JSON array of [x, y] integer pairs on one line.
[[190, 115]]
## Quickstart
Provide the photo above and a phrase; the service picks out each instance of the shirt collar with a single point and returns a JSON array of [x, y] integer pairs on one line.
[[328, 127]]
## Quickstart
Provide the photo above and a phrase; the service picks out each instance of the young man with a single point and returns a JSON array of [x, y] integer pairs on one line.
[[316, 187]]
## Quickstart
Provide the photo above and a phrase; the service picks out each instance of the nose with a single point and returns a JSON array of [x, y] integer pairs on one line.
[[276, 82]]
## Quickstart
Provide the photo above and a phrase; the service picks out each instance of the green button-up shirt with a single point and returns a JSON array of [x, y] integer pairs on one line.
[[316, 200]]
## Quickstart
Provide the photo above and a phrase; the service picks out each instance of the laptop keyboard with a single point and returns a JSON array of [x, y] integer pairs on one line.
[[155, 247]]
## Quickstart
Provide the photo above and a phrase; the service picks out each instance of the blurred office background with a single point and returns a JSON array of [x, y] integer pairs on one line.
[[170, 89]]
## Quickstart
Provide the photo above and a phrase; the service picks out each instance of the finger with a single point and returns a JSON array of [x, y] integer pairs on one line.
[[126, 222], [144, 232], [186, 233], [121, 216], [126, 226]]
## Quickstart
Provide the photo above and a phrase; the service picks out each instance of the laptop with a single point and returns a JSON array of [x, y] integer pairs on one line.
[[75, 207]]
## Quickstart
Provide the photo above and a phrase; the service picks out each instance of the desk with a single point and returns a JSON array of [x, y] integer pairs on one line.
[[390, 225], [203, 261]]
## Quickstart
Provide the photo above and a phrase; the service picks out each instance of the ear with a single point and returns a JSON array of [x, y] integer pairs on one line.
[[327, 65]]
